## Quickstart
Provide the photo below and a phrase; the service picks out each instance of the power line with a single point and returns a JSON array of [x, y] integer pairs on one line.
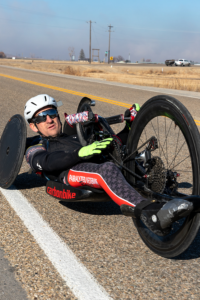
[[125, 27], [41, 25], [158, 29], [39, 13], [130, 39]]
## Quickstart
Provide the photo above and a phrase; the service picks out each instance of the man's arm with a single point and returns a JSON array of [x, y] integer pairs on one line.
[[41, 160]]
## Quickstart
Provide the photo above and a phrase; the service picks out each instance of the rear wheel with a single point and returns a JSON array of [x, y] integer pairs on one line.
[[179, 151]]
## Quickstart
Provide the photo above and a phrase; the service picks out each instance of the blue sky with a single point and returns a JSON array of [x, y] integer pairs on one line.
[[149, 29]]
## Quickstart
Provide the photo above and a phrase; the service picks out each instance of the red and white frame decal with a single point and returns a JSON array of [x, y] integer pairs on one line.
[[80, 178]]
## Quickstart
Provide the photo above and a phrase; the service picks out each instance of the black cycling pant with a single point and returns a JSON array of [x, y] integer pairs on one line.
[[106, 176]]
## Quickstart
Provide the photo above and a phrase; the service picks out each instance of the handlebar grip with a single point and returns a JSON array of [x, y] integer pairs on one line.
[[81, 117], [115, 119]]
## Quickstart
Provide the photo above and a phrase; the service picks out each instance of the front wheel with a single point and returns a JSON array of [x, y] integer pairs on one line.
[[178, 149]]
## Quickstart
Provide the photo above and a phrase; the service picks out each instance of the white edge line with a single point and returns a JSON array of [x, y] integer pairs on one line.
[[136, 87], [81, 282]]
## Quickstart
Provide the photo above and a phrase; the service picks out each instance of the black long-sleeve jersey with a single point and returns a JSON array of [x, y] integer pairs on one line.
[[54, 155]]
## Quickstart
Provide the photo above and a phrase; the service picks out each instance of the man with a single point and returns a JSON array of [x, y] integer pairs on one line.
[[61, 157]]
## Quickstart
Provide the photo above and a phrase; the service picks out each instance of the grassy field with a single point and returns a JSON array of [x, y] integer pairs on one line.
[[181, 78]]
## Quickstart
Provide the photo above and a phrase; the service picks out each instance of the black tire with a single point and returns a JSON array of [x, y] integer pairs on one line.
[[12, 148], [84, 132], [153, 110]]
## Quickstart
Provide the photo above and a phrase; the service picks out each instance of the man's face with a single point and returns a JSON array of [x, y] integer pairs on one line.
[[51, 127]]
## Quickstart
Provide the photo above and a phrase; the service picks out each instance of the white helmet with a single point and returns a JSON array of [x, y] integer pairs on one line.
[[36, 103]]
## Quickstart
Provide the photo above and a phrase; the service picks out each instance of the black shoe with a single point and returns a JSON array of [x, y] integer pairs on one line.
[[159, 216], [127, 210]]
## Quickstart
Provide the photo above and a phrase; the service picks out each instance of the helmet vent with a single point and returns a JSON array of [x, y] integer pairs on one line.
[[34, 103], [45, 98], [28, 112]]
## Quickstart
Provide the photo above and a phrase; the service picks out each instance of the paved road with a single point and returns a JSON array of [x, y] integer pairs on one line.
[[103, 240], [10, 289]]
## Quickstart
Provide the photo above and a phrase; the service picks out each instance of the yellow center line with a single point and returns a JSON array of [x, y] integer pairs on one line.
[[118, 103], [69, 91]]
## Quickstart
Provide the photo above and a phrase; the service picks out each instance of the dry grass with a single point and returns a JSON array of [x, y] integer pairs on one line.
[[181, 78], [72, 71], [78, 71]]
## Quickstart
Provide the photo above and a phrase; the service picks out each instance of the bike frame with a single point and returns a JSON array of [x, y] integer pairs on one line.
[[140, 185]]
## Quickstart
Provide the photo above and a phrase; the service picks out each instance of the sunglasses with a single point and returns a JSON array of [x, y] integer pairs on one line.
[[42, 117]]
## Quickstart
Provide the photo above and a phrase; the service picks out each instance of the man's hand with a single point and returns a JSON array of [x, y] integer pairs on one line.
[[94, 149], [131, 112], [136, 106]]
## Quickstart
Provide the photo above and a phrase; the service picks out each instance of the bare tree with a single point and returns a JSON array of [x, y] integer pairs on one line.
[[71, 52], [2, 55], [120, 58]]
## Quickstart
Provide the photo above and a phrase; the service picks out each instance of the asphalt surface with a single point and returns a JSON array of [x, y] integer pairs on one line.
[[10, 289], [106, 242]]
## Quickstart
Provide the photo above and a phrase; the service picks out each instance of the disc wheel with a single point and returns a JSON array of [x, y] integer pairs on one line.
[[179, 149], [12, 148]]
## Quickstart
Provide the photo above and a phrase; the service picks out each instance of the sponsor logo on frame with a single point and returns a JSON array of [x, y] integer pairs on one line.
[[65, 194]]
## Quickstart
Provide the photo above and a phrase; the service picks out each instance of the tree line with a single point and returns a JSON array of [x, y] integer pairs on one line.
[[82, 55]]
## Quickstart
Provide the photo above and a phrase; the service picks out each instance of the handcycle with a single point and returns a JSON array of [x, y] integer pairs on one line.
[[161, 160]]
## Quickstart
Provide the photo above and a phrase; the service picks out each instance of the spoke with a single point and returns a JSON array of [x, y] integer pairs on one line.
[[141, 140], [145, 132], [181, 161], [158, 135], [176, 146], [153, 128], [166, 143], [183, 171], [177, 153], [159, 142]]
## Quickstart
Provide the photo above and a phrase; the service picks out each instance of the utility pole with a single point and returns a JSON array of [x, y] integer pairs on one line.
[[90, 40], [109, 43]]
